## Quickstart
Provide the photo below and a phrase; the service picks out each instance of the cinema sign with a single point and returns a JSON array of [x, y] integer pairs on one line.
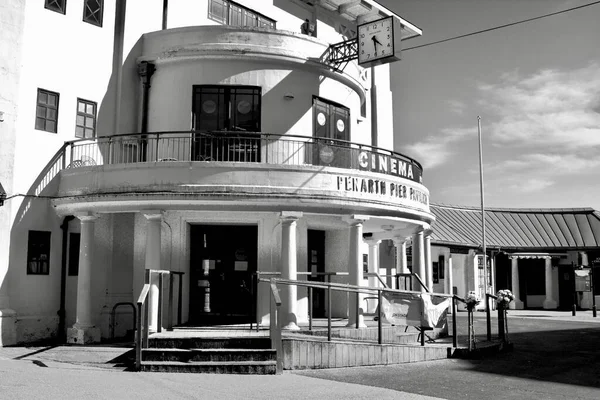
[[390, 165]]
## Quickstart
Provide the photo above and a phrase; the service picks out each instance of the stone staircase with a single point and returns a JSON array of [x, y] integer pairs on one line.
[[220, 355]]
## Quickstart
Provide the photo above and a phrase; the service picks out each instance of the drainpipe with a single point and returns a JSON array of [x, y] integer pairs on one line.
[[145, 71], [63, 279]]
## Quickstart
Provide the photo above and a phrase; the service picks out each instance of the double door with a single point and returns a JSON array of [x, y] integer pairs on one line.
[[223, 263]]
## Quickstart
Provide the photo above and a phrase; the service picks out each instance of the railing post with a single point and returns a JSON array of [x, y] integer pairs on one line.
[[378, 311], [488, 317], [310, 308], [160, 302], [170, 311], [501, 322], [275, 329], [357, 309], [138, 339], [454, 338], [146, 325], [156, 157], [179, 299], [329, 312], [470, 319]]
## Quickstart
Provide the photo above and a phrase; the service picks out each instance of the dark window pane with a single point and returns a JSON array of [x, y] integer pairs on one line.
[[51, 100], [59, 6], [92, 11], [79, 132], [38, 253], [50, 126], [40, 124]]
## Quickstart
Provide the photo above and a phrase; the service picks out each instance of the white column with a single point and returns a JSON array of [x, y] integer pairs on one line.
[[401, 261], [153, 258], [355, 271], [373, 267], [516, 304], [549, 302], [84, 331], [428, 263], [449, 277], [418, 261], [289, 269], [585, 297]]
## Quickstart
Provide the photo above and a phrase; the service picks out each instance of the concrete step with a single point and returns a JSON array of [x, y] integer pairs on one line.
[[205, 355], [209, 343], [210, 367]]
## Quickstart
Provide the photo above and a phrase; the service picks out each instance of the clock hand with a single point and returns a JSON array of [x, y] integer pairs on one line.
[[375, 41]]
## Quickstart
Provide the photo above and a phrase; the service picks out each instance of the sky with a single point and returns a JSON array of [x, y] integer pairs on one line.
[[535, 85]]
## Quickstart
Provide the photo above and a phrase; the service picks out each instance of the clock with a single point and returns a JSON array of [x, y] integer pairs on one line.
[[377, 42]]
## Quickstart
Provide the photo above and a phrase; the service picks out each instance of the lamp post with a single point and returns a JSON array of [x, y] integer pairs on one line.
[[485, 268]]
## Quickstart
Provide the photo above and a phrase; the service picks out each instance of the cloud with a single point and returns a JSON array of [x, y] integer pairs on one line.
[[547, 109], [436, 150], [457, 106]]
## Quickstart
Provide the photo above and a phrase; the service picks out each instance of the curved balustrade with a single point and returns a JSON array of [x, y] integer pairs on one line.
[[244, 147]]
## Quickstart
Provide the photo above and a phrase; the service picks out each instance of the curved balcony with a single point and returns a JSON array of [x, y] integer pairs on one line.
[[241, 147], [258, 171]]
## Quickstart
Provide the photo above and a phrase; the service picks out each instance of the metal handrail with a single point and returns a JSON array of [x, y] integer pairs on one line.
[[143, 323], [236, 146], [275, 327], [354, 289]]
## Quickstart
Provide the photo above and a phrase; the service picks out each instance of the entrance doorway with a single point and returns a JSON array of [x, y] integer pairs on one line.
[[223, 260], [316, 264]]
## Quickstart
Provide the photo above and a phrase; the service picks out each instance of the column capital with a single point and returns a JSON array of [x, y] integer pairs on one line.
[[372, 242], [355, 219], [399, 241], [86, 217], [153, 214], [290, 216]]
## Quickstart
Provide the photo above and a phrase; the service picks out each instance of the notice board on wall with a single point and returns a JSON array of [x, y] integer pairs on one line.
[[583, 281]]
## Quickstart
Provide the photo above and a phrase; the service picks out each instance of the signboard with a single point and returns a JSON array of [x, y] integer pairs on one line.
[[583, 282], [402, 308]]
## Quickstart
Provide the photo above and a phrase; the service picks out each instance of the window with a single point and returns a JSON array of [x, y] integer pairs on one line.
[[46, 113], [330, 120], [74, 241], [230, 13], [60, 6], [92, 11], [331, 128], [38, 253], [227, 108], [233, 110], [85, 126]]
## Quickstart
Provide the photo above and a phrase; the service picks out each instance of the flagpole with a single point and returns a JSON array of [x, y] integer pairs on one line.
[[485, 269]]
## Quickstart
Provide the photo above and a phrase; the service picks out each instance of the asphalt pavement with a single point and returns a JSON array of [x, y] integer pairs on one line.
[[555, 356]]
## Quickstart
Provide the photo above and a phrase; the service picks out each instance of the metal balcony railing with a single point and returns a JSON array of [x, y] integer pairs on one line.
[[242, 147]]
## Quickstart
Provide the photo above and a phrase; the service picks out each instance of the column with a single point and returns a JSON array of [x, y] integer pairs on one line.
[[428, 263], [153, 258], [355, 271], [373, 268], [289, 269], [516, 304], [84, 331], [401, 261], [449, 277], [418, 263], [549, 302], [585, 298]]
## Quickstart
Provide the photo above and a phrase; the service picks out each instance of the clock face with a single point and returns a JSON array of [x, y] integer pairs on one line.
[[375, 40]]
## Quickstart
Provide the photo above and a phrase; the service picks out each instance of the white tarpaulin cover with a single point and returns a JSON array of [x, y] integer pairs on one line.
[[402, 308], [412, 309], [434, 315]]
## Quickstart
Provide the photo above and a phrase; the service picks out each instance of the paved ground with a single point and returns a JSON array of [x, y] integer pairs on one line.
[[556, 356]]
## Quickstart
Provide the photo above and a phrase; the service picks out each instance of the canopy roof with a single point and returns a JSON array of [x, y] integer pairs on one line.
[[359, 11], [517, 229]]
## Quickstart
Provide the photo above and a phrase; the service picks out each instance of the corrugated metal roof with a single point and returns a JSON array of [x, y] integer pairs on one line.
[[518, 228]]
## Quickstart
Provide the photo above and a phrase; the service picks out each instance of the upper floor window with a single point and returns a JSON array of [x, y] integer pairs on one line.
[[85, 126], [330, 120], [60, 6], [227, 108], [38, 253], [92, 11], [230, 13], [46, 113]]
